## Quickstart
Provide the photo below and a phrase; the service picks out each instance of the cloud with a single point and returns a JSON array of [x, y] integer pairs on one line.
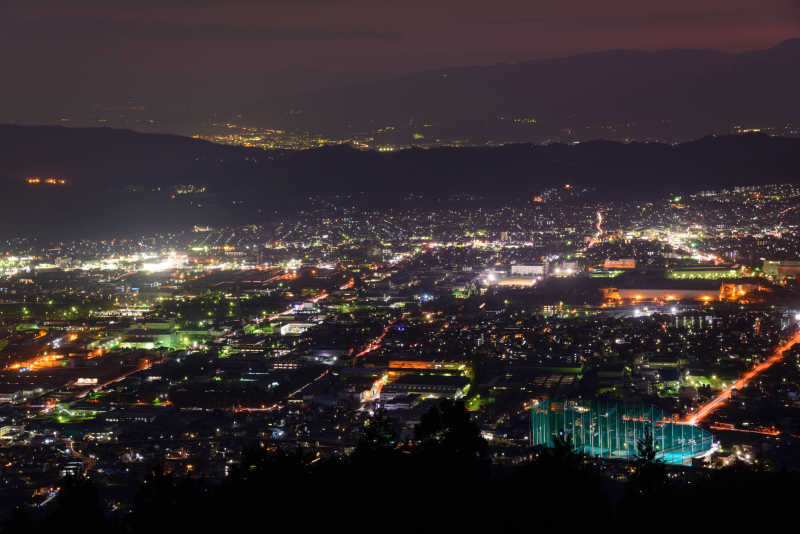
[[779, 12], [713, 18], [149, 4], [112, 30]]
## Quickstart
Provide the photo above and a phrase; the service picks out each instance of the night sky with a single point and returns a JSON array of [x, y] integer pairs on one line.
[[105, 51]]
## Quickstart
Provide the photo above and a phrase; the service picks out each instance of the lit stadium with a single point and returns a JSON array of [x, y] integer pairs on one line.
[[613, 430]]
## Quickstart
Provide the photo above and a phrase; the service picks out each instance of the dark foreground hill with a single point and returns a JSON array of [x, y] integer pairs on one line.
[[440, 481], [120, 180]]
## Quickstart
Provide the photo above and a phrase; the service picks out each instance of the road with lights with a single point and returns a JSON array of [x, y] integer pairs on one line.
[[599, 226], [711, 406]]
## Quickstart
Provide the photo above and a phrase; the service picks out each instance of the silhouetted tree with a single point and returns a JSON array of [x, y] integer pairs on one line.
[[20, 522], [449, 429], [78, 506], [649, 477]]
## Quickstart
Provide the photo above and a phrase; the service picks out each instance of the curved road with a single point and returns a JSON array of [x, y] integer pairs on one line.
[[708, 408]]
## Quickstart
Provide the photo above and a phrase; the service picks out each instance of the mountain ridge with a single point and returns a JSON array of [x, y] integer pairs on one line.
[[124, 179], [676, 94]]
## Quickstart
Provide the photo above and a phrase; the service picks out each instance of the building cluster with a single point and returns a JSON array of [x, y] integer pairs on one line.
[[189, 347]]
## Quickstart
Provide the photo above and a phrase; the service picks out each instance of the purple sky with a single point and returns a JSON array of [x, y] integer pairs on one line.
[[135, 43]]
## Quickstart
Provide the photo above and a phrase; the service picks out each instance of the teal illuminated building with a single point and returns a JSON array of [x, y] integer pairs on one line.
[[613, 430]]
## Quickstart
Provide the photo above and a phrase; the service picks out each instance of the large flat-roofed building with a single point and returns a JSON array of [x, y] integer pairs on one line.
[[645, 287], [295, 329], [613, 430], [619, 263], [781, 270], [437, 386], [528, 270], [706, 272], [661, 291], [427, 365], [516, 281], [634, 295]]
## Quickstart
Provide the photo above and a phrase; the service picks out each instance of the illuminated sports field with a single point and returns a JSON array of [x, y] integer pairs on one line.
[[613, 430]]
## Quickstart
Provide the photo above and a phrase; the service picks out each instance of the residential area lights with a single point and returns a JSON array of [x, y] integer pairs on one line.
[[300, 332], [705, 410]]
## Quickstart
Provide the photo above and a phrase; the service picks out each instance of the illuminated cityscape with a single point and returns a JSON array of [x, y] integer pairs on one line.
[[677, 315], [410, 267]]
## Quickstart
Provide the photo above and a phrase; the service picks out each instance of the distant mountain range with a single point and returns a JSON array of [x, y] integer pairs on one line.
[[669, 95], [122, 181]]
